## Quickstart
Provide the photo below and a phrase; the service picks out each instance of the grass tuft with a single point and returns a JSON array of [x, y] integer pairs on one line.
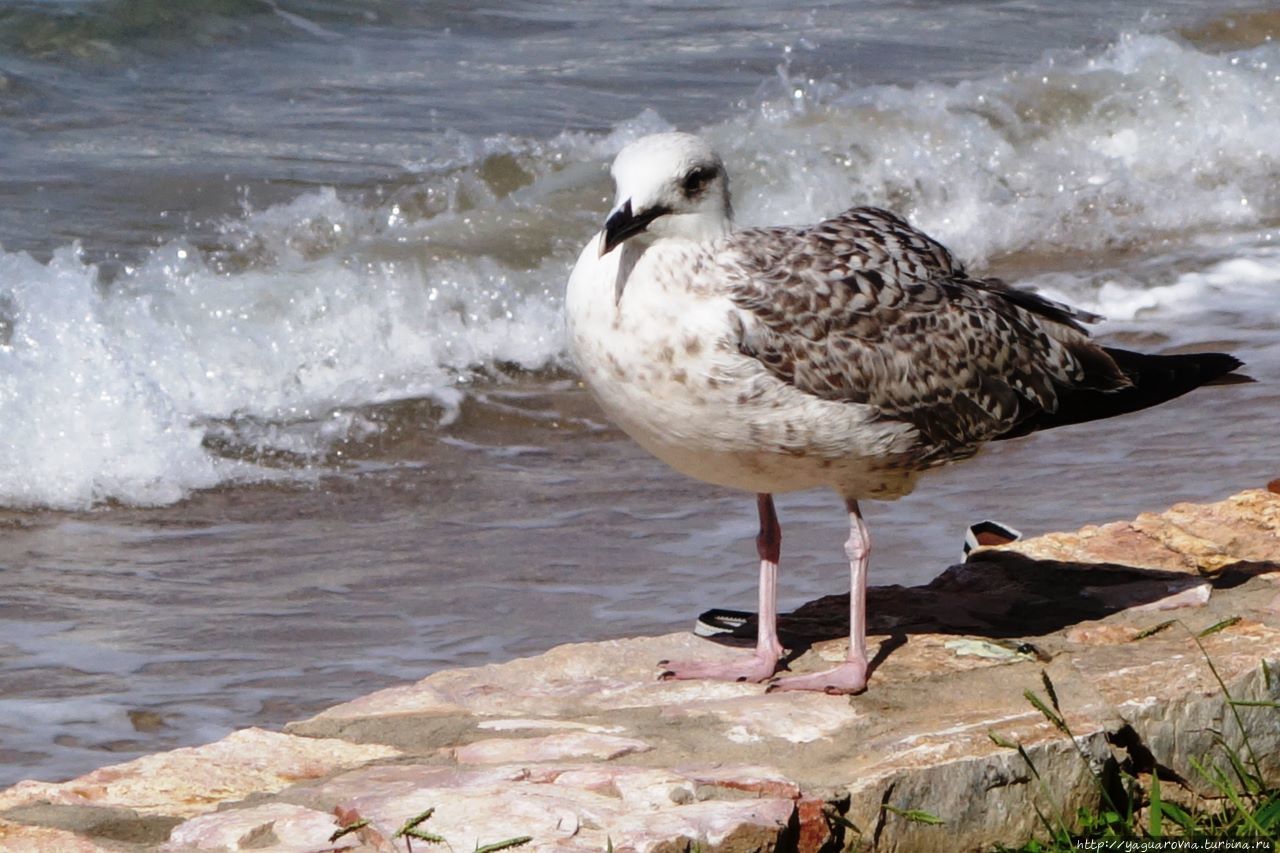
[[1246, 806]]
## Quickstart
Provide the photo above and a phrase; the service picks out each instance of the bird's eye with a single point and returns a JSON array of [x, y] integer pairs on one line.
[[697, 179]]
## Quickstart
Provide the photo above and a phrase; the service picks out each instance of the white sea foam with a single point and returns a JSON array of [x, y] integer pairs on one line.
[[1079, 152], [1236, 299], [328, 304], [110, 392], [1244, 284]]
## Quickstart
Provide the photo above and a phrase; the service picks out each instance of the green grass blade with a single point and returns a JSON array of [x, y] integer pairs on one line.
[[914, 815], [1235, 713], [511, 842], [423, 835], [1044, 821], [1060, 721], [1154, 629], [1219, 780], [1180, 817], [1048, 688], [1268, 817], [1244, 811], [1000, 742], [1049, 715], [1248, 782], [1062, 831], [350, 828], [1155, 818], [1219, 626], [414, 821]]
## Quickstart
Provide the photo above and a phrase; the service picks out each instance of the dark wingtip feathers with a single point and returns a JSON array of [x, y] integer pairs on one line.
[[1227, 375], [1152, 380], [1177, 373]]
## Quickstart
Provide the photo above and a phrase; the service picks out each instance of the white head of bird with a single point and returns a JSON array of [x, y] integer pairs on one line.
[[668, 185]]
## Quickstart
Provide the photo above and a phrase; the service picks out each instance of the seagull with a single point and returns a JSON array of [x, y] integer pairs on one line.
[[854, 354]]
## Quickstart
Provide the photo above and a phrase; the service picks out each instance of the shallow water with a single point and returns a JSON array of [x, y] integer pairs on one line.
[[284, 411]]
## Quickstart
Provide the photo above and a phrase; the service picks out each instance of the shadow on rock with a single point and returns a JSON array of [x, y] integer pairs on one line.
[[1001, 595]]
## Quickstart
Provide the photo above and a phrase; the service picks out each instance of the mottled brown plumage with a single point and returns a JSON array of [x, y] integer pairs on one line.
[[864, 308]]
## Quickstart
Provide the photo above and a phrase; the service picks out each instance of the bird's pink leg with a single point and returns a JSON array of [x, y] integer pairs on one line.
[[763, 664], [850, 676]]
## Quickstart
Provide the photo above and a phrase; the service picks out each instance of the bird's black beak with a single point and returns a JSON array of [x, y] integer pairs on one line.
[[623, 223]]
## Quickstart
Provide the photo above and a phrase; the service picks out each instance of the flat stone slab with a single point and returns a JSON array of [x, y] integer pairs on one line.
[[273, 826], [582, 747], [42, 839], [190, 781]]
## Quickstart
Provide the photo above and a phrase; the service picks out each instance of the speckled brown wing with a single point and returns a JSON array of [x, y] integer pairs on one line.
[[866, 309]]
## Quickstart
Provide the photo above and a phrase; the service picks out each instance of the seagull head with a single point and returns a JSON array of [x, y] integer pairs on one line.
[[669, 185]]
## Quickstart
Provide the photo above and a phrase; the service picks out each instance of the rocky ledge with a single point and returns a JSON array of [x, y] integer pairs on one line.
[[581, 748]]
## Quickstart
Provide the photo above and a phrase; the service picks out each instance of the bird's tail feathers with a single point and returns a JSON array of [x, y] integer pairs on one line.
[[1152, 379]]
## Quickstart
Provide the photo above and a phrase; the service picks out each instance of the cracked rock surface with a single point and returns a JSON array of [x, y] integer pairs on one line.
[[582, 747]]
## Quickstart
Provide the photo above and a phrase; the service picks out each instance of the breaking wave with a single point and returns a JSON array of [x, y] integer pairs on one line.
[[210, 358]]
